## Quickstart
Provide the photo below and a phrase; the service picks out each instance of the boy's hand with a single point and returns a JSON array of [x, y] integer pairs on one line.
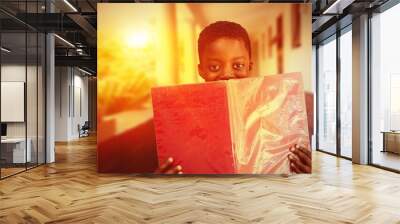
[[300, 159], [168, 168]]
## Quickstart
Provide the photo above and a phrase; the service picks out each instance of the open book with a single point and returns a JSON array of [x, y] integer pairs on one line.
[[235, 126]]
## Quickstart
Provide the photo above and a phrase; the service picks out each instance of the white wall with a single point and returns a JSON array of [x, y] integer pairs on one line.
[[13, 73], [82, 83], [62, 81], [71, 94]]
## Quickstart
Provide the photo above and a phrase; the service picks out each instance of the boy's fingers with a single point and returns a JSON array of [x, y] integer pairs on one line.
[[301, 153], [304, 150], [164, 167], [175, 170], [294, 168], [292, 161], [297, 165], [302, 156], [303, 168]]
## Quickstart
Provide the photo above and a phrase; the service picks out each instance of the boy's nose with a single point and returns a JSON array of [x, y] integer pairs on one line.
[[227, 74]]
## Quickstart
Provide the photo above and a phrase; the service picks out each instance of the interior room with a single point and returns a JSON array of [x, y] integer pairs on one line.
[[55, 82]]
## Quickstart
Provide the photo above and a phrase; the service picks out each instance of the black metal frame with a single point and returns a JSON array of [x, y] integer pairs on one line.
[[316, 97], [338, 98], [26, 89], [369, 103]]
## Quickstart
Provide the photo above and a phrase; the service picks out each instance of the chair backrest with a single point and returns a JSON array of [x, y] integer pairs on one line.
[[86, 124]]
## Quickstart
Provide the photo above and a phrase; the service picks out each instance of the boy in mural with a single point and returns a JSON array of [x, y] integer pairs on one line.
[[225, 53]]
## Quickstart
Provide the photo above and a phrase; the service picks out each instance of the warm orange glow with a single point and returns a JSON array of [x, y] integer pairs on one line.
[[138, 39]]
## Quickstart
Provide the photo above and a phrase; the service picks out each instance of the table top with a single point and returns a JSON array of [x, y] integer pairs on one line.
[[13, 140], [391, 132]]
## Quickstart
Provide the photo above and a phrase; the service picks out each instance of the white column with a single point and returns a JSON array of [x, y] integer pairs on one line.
[[50, 100], [50, 92], [360, 90]]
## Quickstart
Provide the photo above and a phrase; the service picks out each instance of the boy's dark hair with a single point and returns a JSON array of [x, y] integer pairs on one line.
[[222, 29]]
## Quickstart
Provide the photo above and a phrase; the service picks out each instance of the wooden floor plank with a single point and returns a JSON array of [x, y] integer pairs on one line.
[[71, 191]]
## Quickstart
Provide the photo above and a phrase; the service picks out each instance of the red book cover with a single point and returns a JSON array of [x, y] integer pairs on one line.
[[192, 126], [234, 126]]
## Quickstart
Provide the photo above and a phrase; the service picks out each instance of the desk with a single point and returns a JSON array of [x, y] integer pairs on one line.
[[16, 148], [391, 141]]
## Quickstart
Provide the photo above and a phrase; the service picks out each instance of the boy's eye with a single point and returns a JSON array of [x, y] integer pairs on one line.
[[214, 68], [238, 66]]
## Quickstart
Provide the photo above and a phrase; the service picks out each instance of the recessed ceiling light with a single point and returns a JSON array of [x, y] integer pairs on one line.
[[64, 40], [84, 71], [71, 6], [337, 7], [5, 50]]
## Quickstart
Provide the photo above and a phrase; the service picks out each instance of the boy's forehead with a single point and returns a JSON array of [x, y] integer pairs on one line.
[[225, 47]]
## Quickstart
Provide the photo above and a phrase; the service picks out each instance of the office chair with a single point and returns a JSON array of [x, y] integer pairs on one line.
[[84, 130]]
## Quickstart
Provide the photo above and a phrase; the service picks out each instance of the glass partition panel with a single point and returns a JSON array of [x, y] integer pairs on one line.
[[41, 79], [346, 94], [327, 96], [32, 98], [14, 153]]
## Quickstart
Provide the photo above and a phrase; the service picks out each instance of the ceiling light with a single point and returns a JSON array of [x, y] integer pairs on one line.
[[70, 5], [5, 50], [337, 7], [326, 11], [64, 40], [84, 71]]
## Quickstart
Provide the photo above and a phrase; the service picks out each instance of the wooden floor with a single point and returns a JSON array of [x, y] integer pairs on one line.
[[71, 191], [5, 172], [10, 171]]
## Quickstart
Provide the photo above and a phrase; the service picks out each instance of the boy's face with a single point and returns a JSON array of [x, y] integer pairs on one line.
[[223, 59]]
